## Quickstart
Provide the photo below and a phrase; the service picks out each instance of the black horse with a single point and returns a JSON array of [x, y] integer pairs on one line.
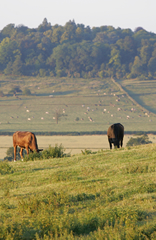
[[115, 135]]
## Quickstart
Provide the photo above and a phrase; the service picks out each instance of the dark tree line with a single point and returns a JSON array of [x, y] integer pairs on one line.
[[77, 51]]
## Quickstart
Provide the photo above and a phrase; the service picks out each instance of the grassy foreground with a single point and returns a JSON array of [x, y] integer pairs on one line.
[[106, 195]]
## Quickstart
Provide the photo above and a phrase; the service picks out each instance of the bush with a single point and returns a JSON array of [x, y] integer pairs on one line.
[[86, 152], [15, 90], [77, 119], [26, 92], [10, 154], [33, 156], [138, 141], [51, 152]]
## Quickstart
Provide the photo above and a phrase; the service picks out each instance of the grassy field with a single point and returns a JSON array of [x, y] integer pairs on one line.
[[143, 91], [83, 105], [107, 195], [72, 144]]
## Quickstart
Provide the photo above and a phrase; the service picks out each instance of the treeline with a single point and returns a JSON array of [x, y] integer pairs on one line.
[[77, 51], [4, 133]]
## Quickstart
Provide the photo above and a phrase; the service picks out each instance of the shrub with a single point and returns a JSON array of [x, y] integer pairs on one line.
[[77, 119], [54, 152], [15, 90], [32, 156], [138, 141], [26, 92], [86, 152], [51, 152]]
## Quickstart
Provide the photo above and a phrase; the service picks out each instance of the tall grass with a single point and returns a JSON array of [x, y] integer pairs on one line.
[[110, 194]]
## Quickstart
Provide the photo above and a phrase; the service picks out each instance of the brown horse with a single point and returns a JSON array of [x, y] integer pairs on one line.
[[25, 140]]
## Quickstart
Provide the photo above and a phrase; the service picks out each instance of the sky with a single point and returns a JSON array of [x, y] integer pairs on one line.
[[94, 13]]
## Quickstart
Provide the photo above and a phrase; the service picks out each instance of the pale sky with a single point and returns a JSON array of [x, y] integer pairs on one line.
[[93, 13]]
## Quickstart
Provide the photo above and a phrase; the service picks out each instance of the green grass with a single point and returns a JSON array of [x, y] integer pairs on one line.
[[72, 97], [144, 92], [107, 195]]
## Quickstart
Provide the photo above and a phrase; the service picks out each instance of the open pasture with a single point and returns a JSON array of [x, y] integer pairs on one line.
[[143, 91], [81, 106], [107, 195]]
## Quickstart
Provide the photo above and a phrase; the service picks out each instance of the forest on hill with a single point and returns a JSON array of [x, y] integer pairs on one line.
[[74, 50]]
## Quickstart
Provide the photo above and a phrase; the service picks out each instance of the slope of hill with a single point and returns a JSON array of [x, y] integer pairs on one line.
[[72, 105], [143, 91], [106, 195]]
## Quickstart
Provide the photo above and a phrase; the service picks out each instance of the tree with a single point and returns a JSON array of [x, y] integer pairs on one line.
[[17, 66], [57, 33], [8, 30], [15, 90], [138, 29], [136, 67], [127, 49], [8, 51], [145, 53], [26, 92], [69, 32], [57, 115], [8, 69], [152, 65], [115, 61], [44, 26], [138, 141]]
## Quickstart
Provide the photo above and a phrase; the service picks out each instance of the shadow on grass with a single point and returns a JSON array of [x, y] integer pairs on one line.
[[61, 93]]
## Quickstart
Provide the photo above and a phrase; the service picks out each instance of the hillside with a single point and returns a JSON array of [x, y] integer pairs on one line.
[[142, 91], [107, 195], [65, 105]]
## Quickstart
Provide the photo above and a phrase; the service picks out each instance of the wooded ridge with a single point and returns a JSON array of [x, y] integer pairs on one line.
[[77, 51]]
